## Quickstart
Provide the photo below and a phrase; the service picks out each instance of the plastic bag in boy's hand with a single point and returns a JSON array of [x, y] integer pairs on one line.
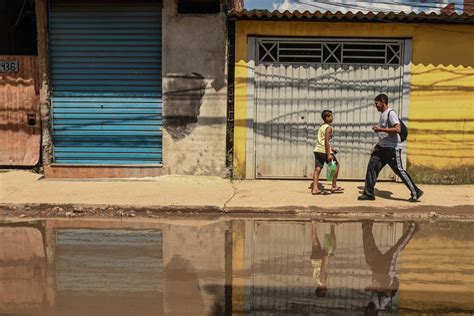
[[331, 171]]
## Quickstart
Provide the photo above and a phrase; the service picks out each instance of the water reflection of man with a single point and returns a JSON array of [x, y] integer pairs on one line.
[[320, 255], [384, 281]]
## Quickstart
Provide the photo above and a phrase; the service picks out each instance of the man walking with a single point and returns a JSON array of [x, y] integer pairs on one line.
[[387, 151], [385, 283]]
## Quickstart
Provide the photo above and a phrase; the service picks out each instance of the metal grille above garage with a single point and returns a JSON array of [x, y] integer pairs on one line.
[[106, 81]]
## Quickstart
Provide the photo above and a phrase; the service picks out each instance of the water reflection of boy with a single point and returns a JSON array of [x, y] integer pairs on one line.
[[320, 255], [384, 281]]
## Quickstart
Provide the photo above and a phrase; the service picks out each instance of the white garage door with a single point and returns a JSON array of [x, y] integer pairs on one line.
[[296, 79]]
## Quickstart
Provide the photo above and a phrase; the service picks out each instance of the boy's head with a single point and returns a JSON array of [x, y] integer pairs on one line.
[[327, 116], [321, 291], [381, 102]]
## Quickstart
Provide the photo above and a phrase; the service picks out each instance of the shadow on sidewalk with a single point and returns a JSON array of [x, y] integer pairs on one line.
[[382, 194], [320, 186]]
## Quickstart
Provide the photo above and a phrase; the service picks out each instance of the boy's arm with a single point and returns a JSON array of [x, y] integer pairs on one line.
[[333, 235], [326, 142]]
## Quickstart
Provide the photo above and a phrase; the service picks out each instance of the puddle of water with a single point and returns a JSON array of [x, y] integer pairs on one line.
[[238, 266]]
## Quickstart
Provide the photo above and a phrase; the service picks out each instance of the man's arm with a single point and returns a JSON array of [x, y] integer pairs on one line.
[[394, 122], [391, 130]]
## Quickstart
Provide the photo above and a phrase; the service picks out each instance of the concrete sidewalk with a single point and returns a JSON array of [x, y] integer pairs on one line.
[[217, 194]]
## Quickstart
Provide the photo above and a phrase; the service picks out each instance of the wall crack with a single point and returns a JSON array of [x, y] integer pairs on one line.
[[224, 208]]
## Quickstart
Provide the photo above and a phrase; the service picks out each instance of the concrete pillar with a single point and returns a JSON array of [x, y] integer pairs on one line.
[[44, 83]]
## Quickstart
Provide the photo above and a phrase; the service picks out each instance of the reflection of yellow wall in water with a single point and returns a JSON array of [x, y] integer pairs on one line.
[[435, 275], [238, 245], [441, 110]]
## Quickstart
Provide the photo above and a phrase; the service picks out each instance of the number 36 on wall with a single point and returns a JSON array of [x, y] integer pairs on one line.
[[9, 66]]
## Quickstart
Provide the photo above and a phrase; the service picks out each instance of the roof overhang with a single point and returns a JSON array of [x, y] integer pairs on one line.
[[391, 17]]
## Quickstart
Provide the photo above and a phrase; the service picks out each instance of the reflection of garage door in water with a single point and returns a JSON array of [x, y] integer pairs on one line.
[[22, 270], [116, 272], [295, 80]]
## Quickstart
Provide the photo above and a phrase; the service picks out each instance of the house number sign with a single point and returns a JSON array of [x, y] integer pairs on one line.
[[9, 66]]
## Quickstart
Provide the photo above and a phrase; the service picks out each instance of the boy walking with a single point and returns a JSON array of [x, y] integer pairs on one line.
[[324, 153], [387, 151], [321, 254]]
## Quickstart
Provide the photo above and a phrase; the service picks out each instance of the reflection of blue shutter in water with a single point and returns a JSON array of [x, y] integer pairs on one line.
[[116, 272], [106, 82], [111, 262]]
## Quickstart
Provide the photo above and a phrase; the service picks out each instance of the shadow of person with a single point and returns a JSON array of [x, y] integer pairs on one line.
[[182, 293], [217, 308], [320, 186], [382, 194]]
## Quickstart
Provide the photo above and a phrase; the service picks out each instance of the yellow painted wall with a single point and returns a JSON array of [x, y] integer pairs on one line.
[[441, 109], [238, 250]]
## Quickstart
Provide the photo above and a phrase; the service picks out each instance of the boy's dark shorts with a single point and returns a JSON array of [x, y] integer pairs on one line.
[[320, 159], [317, 252]]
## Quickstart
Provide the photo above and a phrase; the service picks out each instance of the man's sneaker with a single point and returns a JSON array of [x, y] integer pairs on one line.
[[364, 197], [419, 194]]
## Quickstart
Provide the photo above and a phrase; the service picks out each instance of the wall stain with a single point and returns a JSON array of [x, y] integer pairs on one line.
[[460, 174], [183, 101]]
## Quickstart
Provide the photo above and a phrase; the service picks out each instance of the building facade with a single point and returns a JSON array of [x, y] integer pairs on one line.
[[20, 129], [290, 66], [132, 89]]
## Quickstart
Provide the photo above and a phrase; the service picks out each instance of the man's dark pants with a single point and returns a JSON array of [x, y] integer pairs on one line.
[[379, 158], [376, 260]]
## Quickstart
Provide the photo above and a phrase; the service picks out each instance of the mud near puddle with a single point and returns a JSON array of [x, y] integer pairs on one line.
[[464, 212]]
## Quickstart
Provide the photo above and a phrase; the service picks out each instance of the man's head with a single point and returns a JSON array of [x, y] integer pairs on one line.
[[381, 102], [371, 310], [327, 116]]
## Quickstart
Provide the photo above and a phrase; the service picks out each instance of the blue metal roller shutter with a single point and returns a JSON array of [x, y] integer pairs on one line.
[[106, 81]]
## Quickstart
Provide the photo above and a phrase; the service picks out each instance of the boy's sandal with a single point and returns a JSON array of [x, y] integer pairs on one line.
[[337, 189], [320, 193]]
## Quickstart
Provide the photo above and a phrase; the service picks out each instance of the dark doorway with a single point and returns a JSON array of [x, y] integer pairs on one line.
[[17, 27]]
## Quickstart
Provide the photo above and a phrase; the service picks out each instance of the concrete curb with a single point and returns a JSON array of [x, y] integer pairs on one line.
[[50, 210]]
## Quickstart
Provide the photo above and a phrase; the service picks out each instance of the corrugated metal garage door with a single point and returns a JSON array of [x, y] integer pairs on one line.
[[295, 80], [106, 81]]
